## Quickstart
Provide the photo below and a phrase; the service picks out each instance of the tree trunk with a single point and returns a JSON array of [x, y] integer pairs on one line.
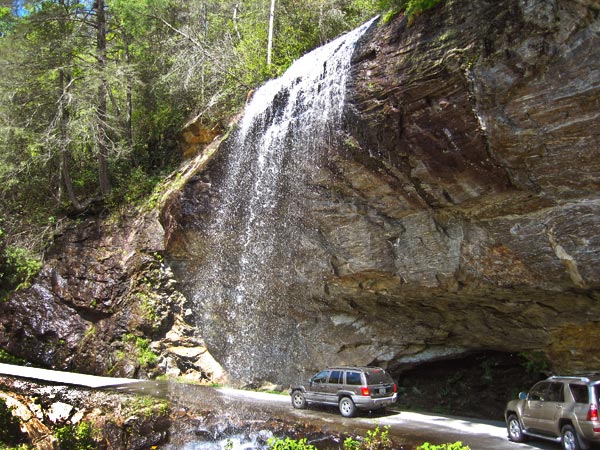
[[129, 113], [63, 80], [270, 40], [103, 177]]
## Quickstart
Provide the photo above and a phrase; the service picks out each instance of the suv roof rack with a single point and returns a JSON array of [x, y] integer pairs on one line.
[[585, 379]]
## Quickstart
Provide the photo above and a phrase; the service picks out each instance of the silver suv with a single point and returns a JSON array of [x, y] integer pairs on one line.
[[349, 388], [560, 409]]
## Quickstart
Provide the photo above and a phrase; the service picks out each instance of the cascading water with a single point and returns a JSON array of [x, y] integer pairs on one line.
[[258, 208]]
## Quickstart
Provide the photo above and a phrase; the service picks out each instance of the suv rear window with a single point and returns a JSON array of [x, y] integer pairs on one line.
[[378, 376], [353, 378], [580, 393]]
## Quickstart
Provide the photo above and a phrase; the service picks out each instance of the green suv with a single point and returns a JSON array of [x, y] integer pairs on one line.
[[348, 388], [560, 409]]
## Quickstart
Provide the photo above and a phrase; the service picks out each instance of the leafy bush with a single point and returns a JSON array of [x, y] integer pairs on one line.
[[7, 358], [17, 267], [76, 437], [455, 446], [376, 439], [10, 429], [290, 444]]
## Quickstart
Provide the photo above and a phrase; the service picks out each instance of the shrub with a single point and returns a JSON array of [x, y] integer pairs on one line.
[[10, 428], [7, 358], [17, 267], [146, 357], [376, 439], [290, 444], [76, 437]]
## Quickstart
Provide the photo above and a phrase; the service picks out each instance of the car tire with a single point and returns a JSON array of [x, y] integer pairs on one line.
[[515, 431], [570, 440], [298, 400], [347, 407]]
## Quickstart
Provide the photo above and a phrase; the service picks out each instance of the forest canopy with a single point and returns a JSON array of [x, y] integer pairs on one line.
[[93, 93]]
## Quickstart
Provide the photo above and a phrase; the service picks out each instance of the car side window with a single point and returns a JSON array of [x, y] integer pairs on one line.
[[353, 378], [538, 392], [555, 393], [336, 377], [580, 393], [321, 377]]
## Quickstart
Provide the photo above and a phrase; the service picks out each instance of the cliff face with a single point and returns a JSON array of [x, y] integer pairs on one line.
[[456, 212], [479, 127]]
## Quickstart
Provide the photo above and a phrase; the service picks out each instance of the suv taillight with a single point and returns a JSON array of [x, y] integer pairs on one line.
[[364, 391], [592, 412], [395, 388]]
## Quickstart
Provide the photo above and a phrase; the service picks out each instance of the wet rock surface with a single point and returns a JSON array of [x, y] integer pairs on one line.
[[458, 210], [161, 415], [115, 420], [105, 302]]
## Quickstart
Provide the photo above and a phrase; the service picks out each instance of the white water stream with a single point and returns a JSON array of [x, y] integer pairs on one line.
[[283, 139]]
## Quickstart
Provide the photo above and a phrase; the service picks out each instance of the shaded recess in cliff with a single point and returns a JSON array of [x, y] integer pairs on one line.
[[457, 208]]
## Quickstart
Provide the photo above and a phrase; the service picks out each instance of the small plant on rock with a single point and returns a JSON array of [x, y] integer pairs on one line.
[[10, 428], [290, 444], [376, 439], [76, 437]]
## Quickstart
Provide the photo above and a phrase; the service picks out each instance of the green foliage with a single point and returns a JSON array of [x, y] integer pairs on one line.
[[535, 362], [17, 267], [458, 445], [146, 357], [167, 61], [376, 439], [76, 437], [7, 358], [411, 8], [290, 444], [10, 430], [147, 406]]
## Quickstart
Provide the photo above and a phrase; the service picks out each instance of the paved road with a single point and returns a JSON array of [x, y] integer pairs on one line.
[[69, 378], [408, 428]]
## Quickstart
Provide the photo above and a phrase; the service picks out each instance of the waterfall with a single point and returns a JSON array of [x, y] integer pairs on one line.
[[248, 279]]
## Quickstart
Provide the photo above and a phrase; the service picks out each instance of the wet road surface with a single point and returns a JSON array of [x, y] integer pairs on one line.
[[406, 428]]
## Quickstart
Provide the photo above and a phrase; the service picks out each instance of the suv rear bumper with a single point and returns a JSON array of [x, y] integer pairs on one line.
[[374, 403], [587, 430]]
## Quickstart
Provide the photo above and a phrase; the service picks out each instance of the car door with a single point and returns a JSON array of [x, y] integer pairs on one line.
[[533, 405], [317, 388], [551, 408], [336, 378]]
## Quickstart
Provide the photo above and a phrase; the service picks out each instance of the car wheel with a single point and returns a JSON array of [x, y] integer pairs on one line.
[[298, 400], [347, 407], [570, 440], [515, 432]]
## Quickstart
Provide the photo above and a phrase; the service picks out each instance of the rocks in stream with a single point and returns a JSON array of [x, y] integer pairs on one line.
[[53, 417]]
